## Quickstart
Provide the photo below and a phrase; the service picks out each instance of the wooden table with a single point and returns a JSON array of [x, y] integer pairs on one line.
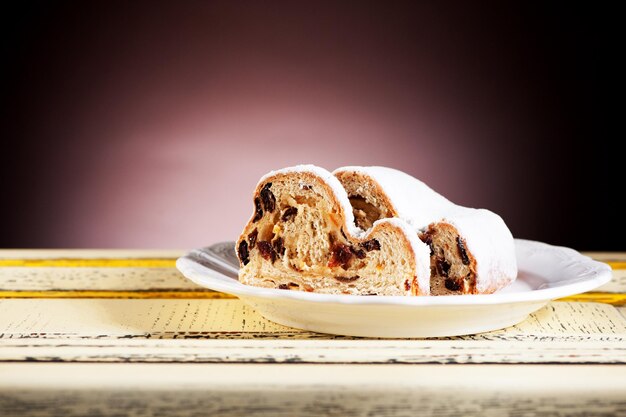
[[120, 332]]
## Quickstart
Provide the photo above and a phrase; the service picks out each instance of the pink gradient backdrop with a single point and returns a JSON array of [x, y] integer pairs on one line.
[[154, 123]]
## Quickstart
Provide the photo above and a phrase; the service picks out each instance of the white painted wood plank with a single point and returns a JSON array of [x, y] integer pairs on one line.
[[113, 317], [151, 330], [593, 349], [311, 391], [94, 279]]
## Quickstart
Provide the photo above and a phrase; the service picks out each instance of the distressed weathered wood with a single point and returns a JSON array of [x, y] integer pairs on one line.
[[94, 279], [590, 349], [152, 318], [126, 350], [311, 391], [168, 331]]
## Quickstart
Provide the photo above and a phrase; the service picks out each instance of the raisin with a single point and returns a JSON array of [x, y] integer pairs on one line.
[[407, 285], [370, 293], [359, 253], [268, 199], [244, 255], [347, 279], [452, 284], [443, 267], [462, 251], [283, 287], [258, 211], [266, 250], [252, 238], [340, 256], [371, 245], [289, 214], [279, 248]]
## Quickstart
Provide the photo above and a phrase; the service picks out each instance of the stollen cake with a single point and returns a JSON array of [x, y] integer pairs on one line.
[[369, 231], [302, 236], [471, 250]]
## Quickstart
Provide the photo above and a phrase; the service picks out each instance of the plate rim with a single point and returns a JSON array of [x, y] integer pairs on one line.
[[597, 274]]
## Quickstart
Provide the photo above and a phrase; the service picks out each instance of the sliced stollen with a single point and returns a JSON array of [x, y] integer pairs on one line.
[[471, 250], [302, 236]]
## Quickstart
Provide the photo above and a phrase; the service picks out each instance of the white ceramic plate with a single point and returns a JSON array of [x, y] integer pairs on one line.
[[545, 272]]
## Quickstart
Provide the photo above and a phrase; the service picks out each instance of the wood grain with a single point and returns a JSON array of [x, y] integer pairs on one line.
[[270, 390], [224, 331]]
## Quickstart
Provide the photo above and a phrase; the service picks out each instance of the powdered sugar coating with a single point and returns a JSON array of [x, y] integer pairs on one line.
[[413, 200], [491, 243], [485, 233]]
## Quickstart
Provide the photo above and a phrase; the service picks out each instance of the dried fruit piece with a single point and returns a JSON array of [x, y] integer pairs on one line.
[[407, 285], [258, 211], [252, 238], [289, 214], [359, 253], [347, 279], [452, 284], [268, 199], [279, 248], [266, 250], [283, 287], [371, 245], [462, 252], [244, 255], [443, 267], [340, 256]]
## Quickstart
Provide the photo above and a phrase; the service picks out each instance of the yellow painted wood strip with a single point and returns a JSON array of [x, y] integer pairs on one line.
[[90, 263], [616, 299], [116, 294]]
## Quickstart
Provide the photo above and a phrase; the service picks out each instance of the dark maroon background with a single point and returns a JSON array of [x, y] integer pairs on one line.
[[148, 125]]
